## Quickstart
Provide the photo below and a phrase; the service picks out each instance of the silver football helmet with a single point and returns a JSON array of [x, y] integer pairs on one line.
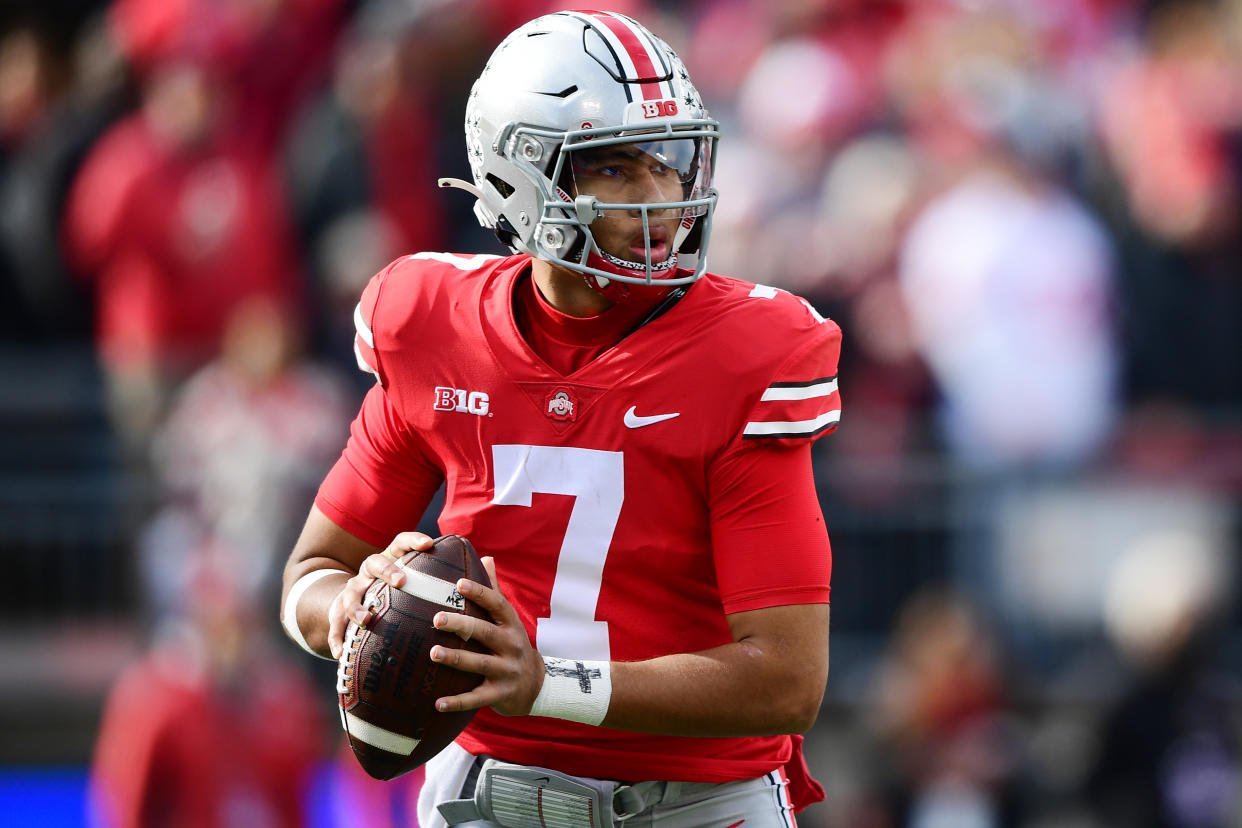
[[584, 115]]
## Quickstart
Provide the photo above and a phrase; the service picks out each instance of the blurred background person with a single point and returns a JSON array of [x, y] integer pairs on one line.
[[175, 221], [215, 725], [243, 443], [266, 56], [940, 713], [218, 724], [55, 100], [1009, 284], [1006, 274], [1168, 115], [1170, 753], [359, 162]]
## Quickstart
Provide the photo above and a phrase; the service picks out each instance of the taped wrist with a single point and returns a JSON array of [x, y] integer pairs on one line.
[[289, 613], [577, 691]]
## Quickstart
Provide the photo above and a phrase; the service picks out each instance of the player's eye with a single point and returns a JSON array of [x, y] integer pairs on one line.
[[600, 168]]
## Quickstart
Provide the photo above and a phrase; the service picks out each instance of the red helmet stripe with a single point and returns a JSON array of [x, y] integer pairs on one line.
[[639, 49]]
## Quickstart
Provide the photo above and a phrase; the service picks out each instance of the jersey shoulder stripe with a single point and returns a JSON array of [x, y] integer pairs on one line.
[[786, 429], [800, 390], [410, 285], [364, 345], [792, 362], [364, 335], [821, 397], [801, 399]]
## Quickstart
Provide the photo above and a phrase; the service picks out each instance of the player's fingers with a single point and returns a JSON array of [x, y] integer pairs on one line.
[[489, 693], [489, 598], [467, 627], [489, 564], [336, 633], [405, 543], [353, 606], [465, 660], [384, 568], [473, 700]]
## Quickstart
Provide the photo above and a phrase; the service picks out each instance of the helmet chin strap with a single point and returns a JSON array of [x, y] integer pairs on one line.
[[638, 268], [619, 292]]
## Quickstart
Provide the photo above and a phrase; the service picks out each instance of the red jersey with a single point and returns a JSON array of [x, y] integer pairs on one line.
[[176, 240], [630, 506], [175, 748]]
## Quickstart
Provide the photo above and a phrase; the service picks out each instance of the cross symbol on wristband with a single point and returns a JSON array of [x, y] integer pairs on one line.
[[578, 671]]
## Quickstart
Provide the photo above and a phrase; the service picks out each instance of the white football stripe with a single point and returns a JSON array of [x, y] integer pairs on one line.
[[430, 588], [796, 427], [360, 324], [377, 736], [801, 392]]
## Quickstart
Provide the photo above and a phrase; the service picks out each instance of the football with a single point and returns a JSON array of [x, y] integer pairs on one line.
[[387, 684]]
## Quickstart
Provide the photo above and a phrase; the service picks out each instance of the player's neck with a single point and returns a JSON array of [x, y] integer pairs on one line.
[[567, 291]]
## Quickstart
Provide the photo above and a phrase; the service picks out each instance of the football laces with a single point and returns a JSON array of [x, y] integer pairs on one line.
[[353, 634]]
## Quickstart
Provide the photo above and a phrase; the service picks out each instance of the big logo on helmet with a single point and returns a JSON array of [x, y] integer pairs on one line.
[[659, 109]]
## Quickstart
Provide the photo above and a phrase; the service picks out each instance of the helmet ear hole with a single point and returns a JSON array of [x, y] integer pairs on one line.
[[693, 240], [503, 187]]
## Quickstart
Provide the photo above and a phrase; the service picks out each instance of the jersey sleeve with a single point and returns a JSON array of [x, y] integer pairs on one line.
[[768, 536], [385, 477], [769, 540], [366, 352], [801, 401]]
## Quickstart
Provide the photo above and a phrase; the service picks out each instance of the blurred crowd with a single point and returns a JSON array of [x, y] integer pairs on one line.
[[1026, 216]]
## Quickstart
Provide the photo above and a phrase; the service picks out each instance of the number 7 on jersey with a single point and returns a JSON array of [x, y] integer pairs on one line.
[[596, 481]]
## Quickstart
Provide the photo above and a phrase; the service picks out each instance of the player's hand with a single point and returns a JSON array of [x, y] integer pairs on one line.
[[347, 606], [513, 670]]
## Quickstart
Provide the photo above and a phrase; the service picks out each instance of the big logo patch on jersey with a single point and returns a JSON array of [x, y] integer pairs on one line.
[[462, 400]]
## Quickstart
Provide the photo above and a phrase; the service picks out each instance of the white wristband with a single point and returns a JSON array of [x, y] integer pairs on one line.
[[289, 615], [577, 691]]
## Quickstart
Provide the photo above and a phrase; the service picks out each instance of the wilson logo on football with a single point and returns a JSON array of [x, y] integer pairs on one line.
[[560, 405], [458, 399]]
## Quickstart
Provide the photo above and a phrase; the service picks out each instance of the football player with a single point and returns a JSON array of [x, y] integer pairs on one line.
[[624, 434]]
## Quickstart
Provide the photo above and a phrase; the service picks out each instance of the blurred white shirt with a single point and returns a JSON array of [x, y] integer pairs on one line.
[[1009, 289]]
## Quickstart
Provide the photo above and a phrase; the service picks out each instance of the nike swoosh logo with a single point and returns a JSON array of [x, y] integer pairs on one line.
[[633, 420]]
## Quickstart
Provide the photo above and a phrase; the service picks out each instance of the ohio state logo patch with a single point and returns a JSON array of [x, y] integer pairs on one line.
[[561, 405]]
